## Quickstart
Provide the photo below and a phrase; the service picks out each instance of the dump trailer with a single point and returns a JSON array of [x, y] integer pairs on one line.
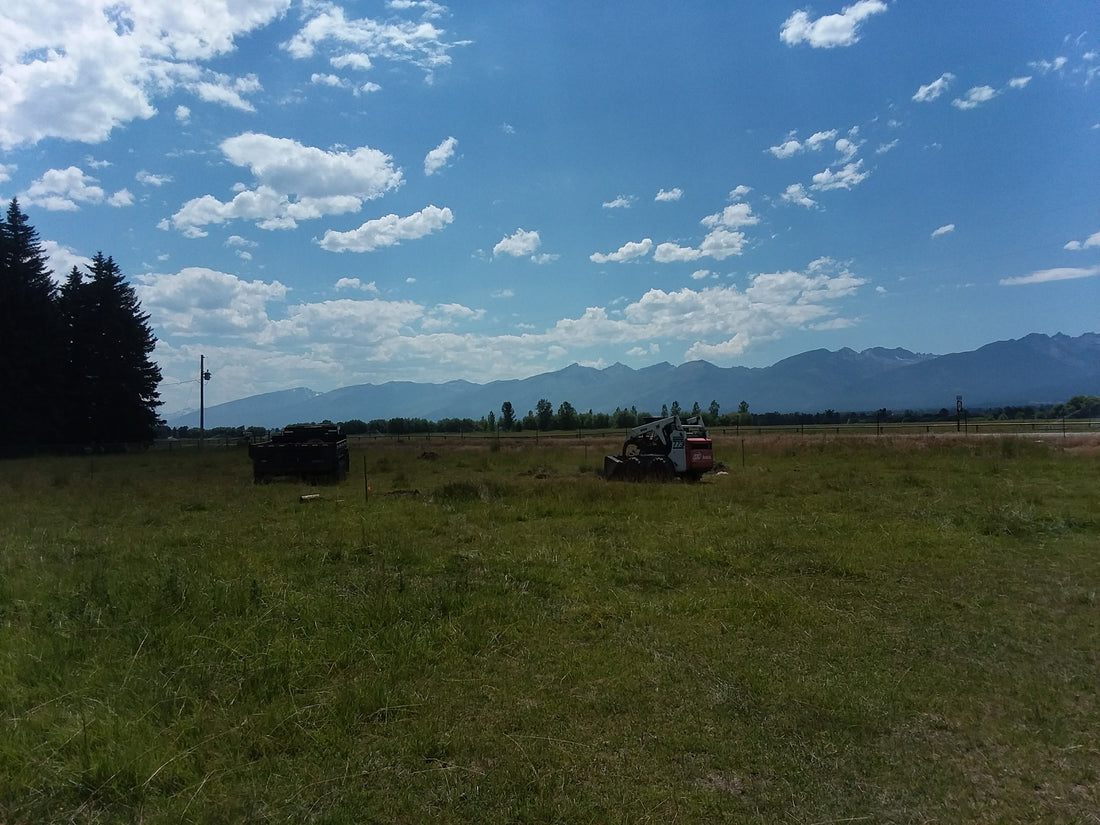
[[663, 449], [317, 453]]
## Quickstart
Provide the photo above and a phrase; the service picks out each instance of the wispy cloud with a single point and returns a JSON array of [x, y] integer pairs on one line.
[[793, 146], [974, 97], [1048, 66], [621, 202], [933, 90], [356, 284], [1065, 273], [149, 179]]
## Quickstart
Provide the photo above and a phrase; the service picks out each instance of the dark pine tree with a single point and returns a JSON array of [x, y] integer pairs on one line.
[[30, 344], [77, 399], [112, 386]]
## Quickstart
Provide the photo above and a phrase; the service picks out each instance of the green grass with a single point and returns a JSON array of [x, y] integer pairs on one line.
[[840, 629]]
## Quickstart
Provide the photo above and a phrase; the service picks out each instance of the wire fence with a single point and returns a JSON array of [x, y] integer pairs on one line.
[[1045, 427]]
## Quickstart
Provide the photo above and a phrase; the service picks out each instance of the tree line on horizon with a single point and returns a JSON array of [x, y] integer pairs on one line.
[[567, 419], [76, 356]]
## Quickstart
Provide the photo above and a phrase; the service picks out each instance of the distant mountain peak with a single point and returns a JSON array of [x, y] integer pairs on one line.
[[1035, 369]]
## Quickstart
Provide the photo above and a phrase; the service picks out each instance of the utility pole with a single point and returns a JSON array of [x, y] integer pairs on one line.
[[204, 376]]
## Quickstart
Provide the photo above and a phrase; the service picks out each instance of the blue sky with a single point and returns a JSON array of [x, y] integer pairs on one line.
[[321, 194]]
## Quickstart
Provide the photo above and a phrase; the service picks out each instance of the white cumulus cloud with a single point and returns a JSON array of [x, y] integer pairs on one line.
[[78, 70], [667, 253], [227, 91], [440, 156], [796, 194], [296, 182], [723, 351], [445, 316], [324, 79], [123, 197], [61, 259], [65, 190], [734, 215], [519, 243], [850, 175], [149, 179], [1090, 242], [627, 252], [721, 243], [197, 301], [388, 231], [723, 240], [289, 166], [831, 30], [359, 42], [793, 146]]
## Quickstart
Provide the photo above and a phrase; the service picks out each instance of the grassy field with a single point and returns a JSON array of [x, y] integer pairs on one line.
[[835, 630]]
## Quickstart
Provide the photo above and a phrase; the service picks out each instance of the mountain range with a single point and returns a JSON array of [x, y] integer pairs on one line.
[[1033, 370]]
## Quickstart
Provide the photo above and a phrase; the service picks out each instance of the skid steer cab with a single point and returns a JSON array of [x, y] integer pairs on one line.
[[663, 449]]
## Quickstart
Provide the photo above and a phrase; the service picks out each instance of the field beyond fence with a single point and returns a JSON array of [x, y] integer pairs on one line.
[[1042, 427], [839, 626]]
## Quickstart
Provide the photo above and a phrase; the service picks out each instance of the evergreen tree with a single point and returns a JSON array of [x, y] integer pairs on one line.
[[76, 397], [29, 337], [507, 416], [544, 414], [112, 390], [567, 416]]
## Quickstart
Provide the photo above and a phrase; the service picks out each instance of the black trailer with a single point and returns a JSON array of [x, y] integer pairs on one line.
[[317, 453]]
